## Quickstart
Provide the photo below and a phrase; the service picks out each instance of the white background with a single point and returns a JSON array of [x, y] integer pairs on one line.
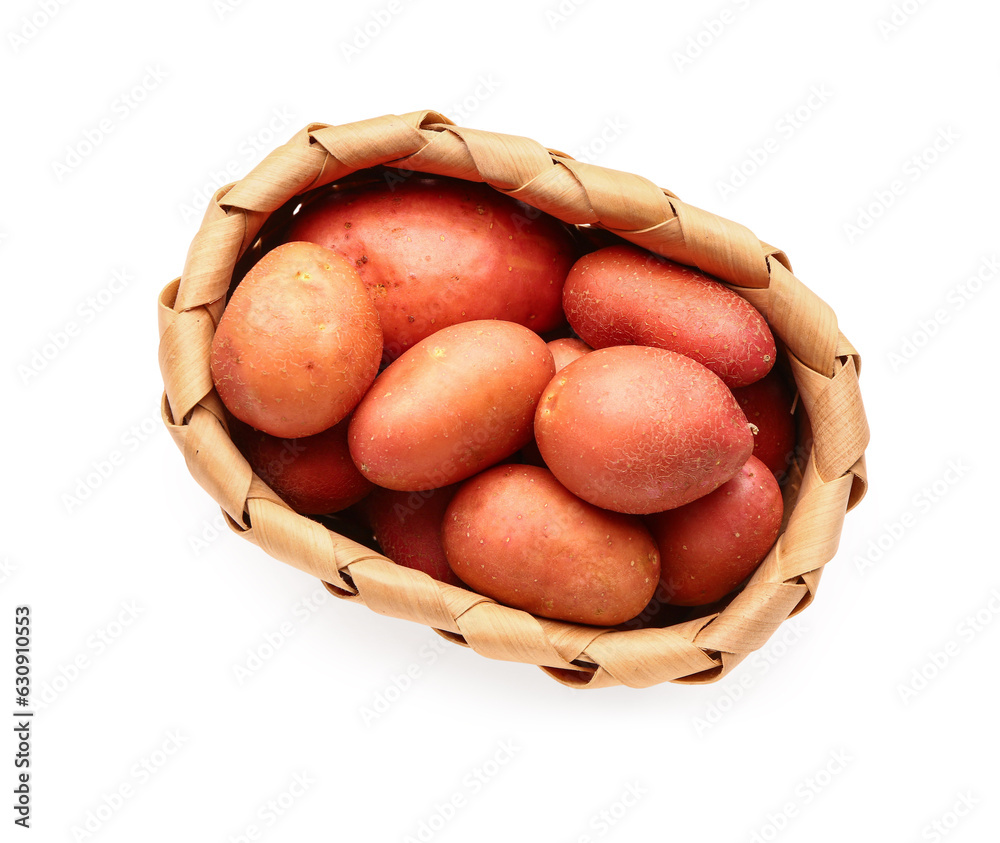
[[871, 715]]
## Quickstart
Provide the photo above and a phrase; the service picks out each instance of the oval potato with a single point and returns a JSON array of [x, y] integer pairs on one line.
[[624, 295], [515, 534], [457, 402], [640, 430]]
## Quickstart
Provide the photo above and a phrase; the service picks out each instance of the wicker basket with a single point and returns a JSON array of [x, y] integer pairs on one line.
[[827, 479]]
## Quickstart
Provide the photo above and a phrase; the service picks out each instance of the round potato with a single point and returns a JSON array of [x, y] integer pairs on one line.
[[640, 430], [624, 295], [711, 545], [298, 343], [457, 402], [515, 534], [436, 252], [312, 474]]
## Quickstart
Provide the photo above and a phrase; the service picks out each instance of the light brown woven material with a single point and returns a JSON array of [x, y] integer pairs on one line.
[[828, 480]]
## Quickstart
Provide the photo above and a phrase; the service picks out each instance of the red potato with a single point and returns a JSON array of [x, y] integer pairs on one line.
[[515, 534], [711, 545], [298, 344], [457, 402], [407, 526], [624, 295], [566, 349], [312, 474], [436, 252], [767, 404], [640, 430]]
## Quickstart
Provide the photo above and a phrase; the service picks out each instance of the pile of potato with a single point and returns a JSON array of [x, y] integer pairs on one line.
[[556, 419]]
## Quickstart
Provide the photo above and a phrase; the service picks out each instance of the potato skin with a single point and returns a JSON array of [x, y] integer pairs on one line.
[[298, 343], [624, 295], [515, 534], [314, 474], [767, 404], [436, 252], [639, 430], [566, 349], [407, 525], [711, 545], [454, 404]]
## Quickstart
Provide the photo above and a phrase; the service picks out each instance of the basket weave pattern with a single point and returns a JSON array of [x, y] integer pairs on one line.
[[829, 479]]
